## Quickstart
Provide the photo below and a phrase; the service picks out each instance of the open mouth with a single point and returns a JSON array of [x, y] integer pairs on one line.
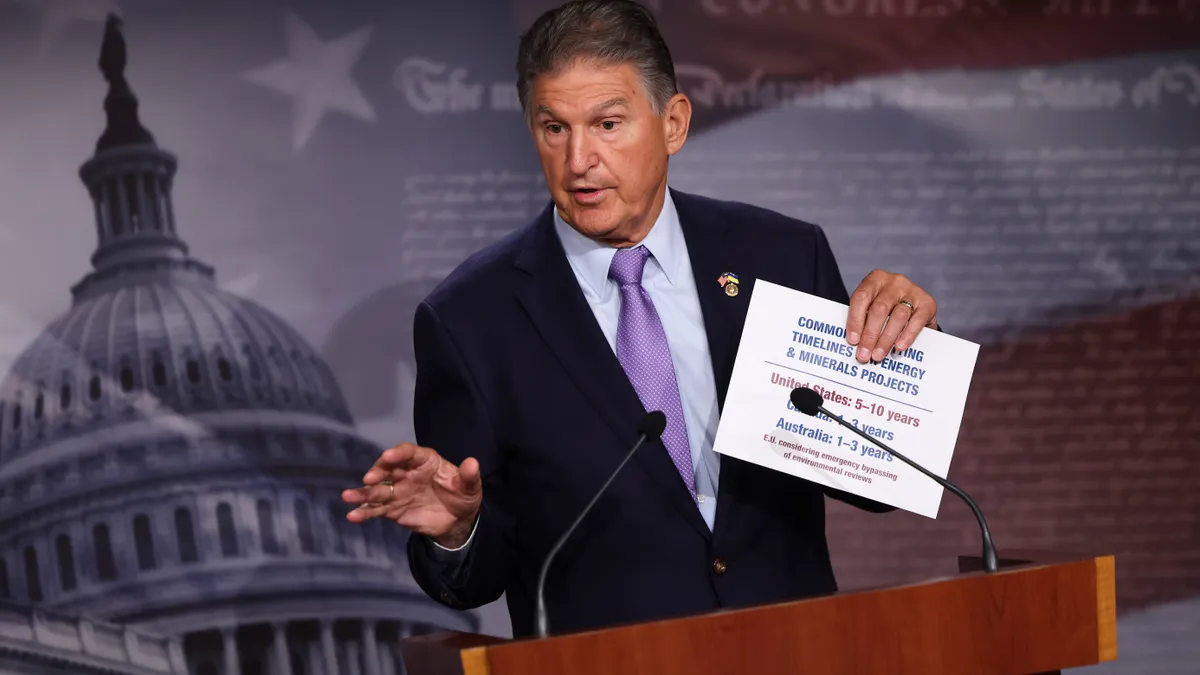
[[588, 195]]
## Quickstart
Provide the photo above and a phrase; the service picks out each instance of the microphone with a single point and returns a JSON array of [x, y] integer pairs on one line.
[[810, 402], [650, 428]]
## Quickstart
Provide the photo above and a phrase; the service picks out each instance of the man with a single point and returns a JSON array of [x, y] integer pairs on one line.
[[538, 357]]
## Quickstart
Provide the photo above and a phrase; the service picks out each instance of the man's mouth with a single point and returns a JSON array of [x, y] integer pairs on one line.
[[589, 195]]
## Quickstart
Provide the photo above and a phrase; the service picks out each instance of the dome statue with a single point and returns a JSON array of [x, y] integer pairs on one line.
[[172, 455]]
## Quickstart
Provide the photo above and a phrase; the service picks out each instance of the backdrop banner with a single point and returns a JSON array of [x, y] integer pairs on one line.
[[217, 219]]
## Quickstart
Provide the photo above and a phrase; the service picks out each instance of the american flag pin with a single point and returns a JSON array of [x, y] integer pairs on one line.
[[729, 282]]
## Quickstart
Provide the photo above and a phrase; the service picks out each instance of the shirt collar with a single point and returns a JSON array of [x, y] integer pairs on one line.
[[591, 259]]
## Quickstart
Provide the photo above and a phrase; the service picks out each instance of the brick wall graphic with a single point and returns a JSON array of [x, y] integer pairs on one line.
[[1085, 438]]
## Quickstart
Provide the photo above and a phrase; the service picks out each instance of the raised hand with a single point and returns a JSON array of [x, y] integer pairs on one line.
[[884, 295], [420, 490]]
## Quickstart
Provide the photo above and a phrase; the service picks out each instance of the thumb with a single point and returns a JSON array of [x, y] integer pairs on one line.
[[469, 479]]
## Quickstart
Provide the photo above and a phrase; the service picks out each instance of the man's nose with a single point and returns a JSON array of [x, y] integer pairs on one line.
[[581, 154]]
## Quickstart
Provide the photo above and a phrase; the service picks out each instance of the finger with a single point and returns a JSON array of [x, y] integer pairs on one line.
[[355, 496], [896, 323], [879, 311], [377, 476], [380, 501], [402, 457], [373, 494], [860, 300], [366, 512], [358, 496], [925, 316]]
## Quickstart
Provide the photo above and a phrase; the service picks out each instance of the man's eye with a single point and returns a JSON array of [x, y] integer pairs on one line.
[[608, 125], [554, 128]]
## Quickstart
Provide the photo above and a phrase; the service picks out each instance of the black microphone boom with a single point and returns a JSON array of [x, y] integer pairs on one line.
[[810, 402], [650, 428]]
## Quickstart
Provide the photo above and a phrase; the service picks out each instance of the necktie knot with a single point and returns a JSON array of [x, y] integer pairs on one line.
[[628, 264]]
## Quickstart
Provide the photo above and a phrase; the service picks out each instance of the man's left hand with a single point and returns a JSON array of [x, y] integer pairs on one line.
[[884, 295]]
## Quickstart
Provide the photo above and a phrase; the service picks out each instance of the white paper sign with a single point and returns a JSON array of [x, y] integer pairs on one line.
[[912, 401]]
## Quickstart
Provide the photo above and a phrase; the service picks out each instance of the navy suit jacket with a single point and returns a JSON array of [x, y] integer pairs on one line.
[[513, 369]]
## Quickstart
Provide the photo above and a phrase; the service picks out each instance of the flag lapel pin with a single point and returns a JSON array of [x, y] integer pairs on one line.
[[729, 282]]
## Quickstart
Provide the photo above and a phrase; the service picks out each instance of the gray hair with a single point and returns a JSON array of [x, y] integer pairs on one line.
[[603, 31]]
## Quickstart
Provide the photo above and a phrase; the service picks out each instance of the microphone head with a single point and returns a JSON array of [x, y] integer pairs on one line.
[[652, 425], [806, 400]]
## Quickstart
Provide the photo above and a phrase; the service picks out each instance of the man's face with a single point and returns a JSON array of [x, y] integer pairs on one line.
[[603, 149]]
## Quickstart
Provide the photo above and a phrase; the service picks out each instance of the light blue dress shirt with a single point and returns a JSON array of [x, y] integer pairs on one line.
[[668, 279], [671, 285]]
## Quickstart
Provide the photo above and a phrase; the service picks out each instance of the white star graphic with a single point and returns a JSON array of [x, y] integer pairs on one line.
[[316, 75], [54, 15]]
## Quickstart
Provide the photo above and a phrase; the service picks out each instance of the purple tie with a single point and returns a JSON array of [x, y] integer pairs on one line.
[[644, 354]]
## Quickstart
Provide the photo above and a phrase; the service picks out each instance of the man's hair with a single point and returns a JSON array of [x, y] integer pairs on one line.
[[609, 32]]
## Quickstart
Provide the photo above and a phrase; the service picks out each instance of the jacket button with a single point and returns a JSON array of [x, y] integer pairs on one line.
[[719, 567]]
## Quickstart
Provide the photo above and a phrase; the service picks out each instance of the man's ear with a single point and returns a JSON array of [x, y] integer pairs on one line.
[[677, 118]]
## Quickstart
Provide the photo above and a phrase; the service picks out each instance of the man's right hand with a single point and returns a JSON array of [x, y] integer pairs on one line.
[[427, 494]]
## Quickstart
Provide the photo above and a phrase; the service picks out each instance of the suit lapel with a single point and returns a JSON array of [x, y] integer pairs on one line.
[[555, 304], [712, 254]]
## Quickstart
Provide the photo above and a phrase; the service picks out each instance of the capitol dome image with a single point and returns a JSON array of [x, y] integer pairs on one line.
[[171, 462]]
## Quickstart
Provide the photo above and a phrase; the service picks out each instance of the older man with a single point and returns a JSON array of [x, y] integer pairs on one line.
[[540, 354]]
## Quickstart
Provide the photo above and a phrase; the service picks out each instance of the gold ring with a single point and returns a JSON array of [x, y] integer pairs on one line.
[[907, 304], [391, 487]]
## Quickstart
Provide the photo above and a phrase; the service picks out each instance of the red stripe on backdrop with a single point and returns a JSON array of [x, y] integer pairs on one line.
[[841, 39]]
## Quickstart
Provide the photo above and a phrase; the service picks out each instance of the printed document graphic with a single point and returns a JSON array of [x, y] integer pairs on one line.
[[912, 401]]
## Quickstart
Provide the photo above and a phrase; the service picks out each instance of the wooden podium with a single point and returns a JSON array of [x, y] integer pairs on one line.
[[1039, 613]]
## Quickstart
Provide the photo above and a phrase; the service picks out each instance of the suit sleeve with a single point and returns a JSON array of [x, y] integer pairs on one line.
[[828, 284], [451, 416], [827, 279]]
